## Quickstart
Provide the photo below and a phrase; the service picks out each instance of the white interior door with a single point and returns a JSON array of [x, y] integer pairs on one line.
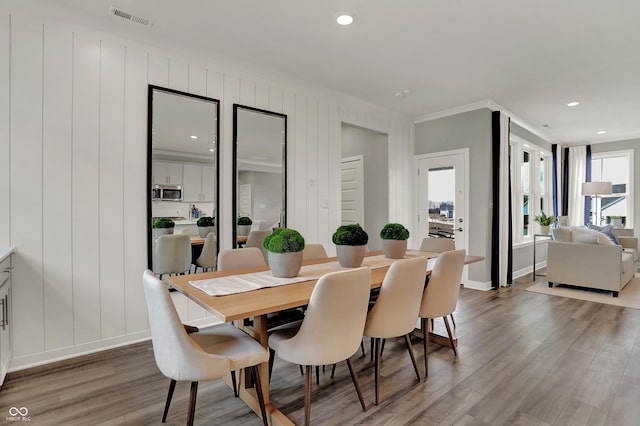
[[352, 179], [442, 195]]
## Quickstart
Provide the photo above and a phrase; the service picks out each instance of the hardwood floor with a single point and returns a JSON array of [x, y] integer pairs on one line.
[[524, 358]]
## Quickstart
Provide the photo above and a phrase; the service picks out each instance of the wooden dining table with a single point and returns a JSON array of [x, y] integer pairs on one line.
[[259, 303]]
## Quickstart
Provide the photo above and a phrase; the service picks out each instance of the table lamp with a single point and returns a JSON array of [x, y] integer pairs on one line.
[[596, 190]]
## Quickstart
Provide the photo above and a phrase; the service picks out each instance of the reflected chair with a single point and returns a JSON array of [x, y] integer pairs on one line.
[[440, 297], [255, 239], [207, 258], [438, 245], [208, 354], [396, 308], [313, 252], [172, 255], [189, 230], [331, 330]]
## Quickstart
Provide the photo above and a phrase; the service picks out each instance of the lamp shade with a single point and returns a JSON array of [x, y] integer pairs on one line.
[[596, 188]]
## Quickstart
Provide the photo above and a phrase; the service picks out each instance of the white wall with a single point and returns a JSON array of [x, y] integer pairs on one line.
[[73, 115]]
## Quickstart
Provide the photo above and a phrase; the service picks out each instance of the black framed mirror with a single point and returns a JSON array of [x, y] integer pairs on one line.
[[259, 170], [182, 168]]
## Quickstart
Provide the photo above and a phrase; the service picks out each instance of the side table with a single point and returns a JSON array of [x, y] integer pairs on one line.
[[535, 237]]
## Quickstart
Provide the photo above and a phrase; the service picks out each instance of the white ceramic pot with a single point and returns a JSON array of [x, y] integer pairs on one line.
[[163, 231], [544, 229], [285, 265], [243, 230], [203, 231], [394, 249], [350, 256]]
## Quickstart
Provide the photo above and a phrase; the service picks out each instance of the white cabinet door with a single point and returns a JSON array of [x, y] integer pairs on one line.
[[208, 184], [165, 173], [192, 184], [5, 321]]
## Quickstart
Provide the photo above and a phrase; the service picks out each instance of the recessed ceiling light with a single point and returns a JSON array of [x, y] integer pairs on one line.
[[601, 132], [573, 103], [194, 137], [344, 20]]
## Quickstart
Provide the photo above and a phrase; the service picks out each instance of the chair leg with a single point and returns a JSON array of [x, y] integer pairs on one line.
[[452, 320], [362, 347], [446, 324], [378, 355], [371, 345], [333, 370], [382, 348], [172, 387], [307, 395], [318, 374], [255, 372], [272, 356], [425, 344], [301, 370], [407, 341], [354, 377], [234, 382], [192, 403]]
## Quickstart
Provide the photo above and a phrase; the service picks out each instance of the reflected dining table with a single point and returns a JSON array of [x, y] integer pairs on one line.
[[258, 303]]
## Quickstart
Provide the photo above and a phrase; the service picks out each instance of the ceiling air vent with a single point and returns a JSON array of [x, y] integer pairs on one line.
[[130, 17]]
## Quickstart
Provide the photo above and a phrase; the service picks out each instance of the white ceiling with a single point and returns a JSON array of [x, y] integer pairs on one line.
[[531, 57]]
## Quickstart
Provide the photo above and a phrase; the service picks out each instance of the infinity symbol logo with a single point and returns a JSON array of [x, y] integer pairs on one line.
[[22, 411]]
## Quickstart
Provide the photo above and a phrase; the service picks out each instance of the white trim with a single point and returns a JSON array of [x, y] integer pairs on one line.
[[630, 192], [528, 270], [477, 285], [489, 104], [21, 363]]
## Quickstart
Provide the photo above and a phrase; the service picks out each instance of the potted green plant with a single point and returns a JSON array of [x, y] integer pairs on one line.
[[163, 225], [394, 240], [545, 222], [205, 224], [285, 252], [243, 226], [350, 241]]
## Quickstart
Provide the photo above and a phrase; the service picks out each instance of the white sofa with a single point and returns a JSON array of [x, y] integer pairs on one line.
[[588, 258]]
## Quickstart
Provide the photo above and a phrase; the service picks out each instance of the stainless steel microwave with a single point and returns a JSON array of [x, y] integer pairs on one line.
[[166, 193]]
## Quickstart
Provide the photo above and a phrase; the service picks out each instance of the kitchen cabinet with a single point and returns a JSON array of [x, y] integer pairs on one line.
[[166, 173], [5, 317], [198, 183]]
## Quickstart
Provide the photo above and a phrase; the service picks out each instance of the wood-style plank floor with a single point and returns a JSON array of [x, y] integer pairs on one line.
[[524, 359]]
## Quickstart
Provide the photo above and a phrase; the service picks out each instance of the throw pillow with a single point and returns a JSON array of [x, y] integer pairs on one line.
[[562, 234], [608, 231], [583, 235]]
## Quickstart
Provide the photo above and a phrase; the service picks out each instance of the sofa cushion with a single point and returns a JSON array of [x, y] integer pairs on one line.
[[627, 262], [632, 252], [608, 231], [562, 234], [583, 235]]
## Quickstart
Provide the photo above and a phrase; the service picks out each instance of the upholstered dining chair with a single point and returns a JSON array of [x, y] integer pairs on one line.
[[208, 354], [313, 252], [438, 245], [440, 297], [172, 254], [207, 258], [255, 239], [240, 258], [331, 331], [396, 308]]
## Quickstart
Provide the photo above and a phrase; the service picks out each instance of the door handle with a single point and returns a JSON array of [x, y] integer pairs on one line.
[[459, 229]]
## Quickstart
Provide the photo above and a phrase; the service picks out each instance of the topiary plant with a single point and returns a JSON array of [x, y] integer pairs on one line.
[[205, 221], [244, 220], [394, 231], [284, 240], [163, 222], [350, 235]]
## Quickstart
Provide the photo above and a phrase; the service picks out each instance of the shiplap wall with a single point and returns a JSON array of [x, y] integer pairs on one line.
[[73, 114]]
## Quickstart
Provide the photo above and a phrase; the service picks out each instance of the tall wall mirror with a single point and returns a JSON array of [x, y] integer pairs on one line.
[[259, 170], [182, 179]]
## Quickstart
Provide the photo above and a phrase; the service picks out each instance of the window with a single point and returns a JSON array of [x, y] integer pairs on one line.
[[615, 167], [531, 185]]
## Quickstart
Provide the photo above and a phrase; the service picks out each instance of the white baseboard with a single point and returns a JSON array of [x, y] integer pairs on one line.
[[34, 360], [528, 270], [477, 285]]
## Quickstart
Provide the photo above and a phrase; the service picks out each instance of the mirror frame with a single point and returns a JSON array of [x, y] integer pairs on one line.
[[234, 207], [151, 89]]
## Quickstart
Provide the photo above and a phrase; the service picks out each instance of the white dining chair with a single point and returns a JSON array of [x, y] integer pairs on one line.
[[207, 258], [438, 245], [314, 252], [209, 354], [331, 330], [440, 297], [396, 308], [255, 239], [240, 258], [172, 254]]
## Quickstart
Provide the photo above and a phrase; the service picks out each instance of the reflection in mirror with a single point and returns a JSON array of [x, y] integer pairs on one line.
[[182, 175], [259, 169]]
